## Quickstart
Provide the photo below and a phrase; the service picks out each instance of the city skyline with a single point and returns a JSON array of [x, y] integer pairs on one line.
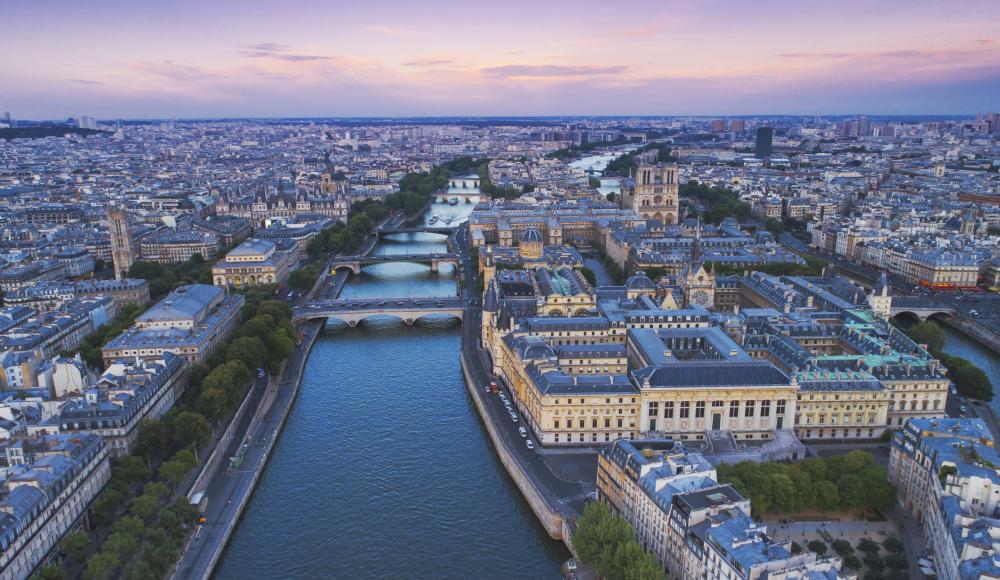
[[125, 60]]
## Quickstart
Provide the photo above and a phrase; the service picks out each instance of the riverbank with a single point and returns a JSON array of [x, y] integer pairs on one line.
[[206, 547]]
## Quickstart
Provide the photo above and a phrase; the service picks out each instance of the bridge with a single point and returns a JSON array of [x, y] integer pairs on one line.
[[355, 263], [409, 310], [920, 306], [417, 230]]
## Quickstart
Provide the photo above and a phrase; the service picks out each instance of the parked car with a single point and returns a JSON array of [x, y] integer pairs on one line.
[[522, 431], [529, 444], [513, 416]]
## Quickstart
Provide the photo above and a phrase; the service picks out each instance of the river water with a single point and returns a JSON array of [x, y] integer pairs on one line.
[[383, 469], [958, 344], [597, 164]]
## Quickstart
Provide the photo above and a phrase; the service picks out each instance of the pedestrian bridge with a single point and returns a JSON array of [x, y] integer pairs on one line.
[[356, 263], [409, 310], [921, 307]]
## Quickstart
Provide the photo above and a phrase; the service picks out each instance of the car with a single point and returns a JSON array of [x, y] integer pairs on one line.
[[522, 431], [571, 565], [381, 303], [513, 416], [400, 303], [962, 409], [529, 444]]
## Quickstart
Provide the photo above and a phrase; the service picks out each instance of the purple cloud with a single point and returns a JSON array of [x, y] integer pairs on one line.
[[551, 70], [278, 51]]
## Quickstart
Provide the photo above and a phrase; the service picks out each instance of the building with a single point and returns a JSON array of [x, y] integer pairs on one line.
[[252, 263], [49, 484], [52, 295], [171, 246], [763, 146], [695, 526], [653, 193], [129, 391], [189, 322], [947, 475], [123, 253]]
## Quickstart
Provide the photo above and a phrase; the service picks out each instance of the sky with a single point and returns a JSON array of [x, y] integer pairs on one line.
[[249, 58]]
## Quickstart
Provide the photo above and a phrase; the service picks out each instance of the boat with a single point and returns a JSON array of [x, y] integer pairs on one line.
[[453, 200], [447, 220], [433, 220]]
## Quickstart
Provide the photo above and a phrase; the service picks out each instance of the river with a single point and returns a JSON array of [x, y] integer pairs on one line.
[[597, 163], [383, 469], [958, 344]]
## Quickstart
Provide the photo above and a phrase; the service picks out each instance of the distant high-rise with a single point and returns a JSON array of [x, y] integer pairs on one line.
[[122, 251], [765, 136], [718, 126], [737, 126]]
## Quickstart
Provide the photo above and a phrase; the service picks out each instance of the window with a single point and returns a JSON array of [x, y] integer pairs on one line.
[[619, 422], [569, 423], [734, 409], [556, 425], [781, 407], [654, 409], [717, 404], [765, 408], [685, 409], [668, 410], [699, 410], [748, 409]]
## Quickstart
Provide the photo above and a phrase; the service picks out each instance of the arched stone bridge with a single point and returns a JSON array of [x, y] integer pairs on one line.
[[355, 263], [409, 310], [921, 307]]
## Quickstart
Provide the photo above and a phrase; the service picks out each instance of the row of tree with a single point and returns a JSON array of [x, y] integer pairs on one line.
[[720, 202], [142, 528], [812, 267], [607, 543], [969, 379], [853, 480]]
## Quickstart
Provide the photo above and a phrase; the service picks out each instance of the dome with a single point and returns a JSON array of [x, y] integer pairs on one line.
[[532, 235], [639, 281]]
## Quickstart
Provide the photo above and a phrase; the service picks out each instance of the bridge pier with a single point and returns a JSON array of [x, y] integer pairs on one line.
[[353, 323], [434, 266]]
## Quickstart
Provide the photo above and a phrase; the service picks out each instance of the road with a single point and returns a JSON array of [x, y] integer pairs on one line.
[[564, 479], [228, 490]]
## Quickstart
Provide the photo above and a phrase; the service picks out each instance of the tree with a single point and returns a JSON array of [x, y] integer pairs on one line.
[[853, 492], [896, 561], [892, 544], [842, 547], [101, 566], [192, 430], [929, 333], [145, 506], [248, 349], [105, 507], [868, 546], [852, 562], [121, 544], [827, 495], [132, 469], [817, 546], [50, 571], [75, 545], [178, 466], [610, 196], [213, 404], [972, 381], [129, 525], [155, 489], [154, 439], [141, 570], [589, 275]]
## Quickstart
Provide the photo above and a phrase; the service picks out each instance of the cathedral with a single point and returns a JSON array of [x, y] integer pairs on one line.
[[652, 193]]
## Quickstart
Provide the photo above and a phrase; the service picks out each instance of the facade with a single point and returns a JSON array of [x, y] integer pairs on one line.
[[123, 252], [169, 246], [189, 322], [51, 481], [52, 295], [695, 526], [653, 193], [252, 263], [946, 475], [129, 390]]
